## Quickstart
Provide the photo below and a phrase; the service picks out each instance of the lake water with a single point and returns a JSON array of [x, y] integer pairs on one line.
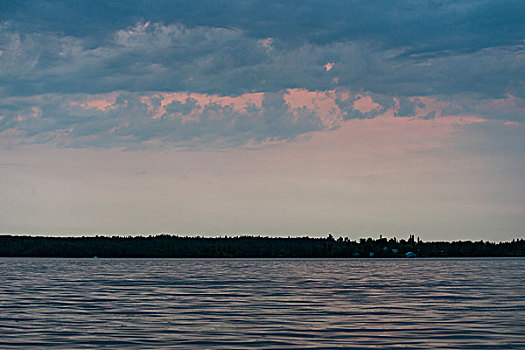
[[262, 304]]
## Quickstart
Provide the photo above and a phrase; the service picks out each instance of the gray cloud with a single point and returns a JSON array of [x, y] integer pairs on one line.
[[157, 57], [134, 120], [466, 53], [140, 120], [427, 27]]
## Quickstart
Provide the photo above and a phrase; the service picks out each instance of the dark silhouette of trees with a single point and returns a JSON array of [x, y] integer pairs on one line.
[[164, 246]]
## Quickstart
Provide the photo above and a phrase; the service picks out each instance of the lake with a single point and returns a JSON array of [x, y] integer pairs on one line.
[[262, 303]]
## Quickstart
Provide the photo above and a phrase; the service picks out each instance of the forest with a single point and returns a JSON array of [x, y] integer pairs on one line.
[[169, 246]]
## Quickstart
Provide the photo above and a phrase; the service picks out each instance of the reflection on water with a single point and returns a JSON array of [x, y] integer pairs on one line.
[[262, 304]]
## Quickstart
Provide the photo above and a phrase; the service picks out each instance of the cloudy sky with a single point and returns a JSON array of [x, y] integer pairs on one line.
[[354, 117]]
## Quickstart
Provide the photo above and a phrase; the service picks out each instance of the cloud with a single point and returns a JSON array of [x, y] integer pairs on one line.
[[238, 73], [426, 27], [133, 120], [193, 120], [329, 66], [230, 60]]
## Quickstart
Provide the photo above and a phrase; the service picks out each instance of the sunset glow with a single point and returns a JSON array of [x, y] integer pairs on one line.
[[297, 121]]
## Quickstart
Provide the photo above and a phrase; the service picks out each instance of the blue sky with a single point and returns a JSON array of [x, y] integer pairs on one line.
[[437, 86]]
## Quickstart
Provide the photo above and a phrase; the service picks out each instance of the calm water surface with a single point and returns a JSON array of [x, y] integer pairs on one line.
[[262, 304]]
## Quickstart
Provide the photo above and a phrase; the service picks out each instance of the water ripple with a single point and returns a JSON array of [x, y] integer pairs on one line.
[[262, 304]]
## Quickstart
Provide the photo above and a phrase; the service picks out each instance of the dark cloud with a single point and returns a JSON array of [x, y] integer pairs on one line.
[[155, 57], [465, 52], [425, 26], [389, 47]]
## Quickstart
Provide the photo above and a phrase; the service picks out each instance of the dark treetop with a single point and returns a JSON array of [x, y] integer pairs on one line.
[[166, 246]]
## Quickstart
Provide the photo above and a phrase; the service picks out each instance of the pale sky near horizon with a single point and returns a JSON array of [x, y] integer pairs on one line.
[[280, 118]]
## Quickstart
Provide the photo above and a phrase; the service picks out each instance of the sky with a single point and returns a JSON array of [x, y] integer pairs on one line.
[[278, 118]]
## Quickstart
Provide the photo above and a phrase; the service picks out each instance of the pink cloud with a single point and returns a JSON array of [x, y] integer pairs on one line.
[[329, 66], [429, 119], [238, 103], [387, 134], [37, 112], [365, 104], [505, 102], [99, 102], [322, 102], [34, 112]]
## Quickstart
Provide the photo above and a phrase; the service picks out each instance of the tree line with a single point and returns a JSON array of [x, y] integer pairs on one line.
[[168, 246]]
